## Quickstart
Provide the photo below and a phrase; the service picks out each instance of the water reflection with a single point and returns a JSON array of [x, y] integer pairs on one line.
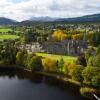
[[16, 84], [20, 74]]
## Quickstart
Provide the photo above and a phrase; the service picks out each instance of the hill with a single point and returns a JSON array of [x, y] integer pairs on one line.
[[36, 20], [6, 21], [87, 18]]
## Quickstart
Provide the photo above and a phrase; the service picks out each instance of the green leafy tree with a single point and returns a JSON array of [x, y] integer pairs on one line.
[[96, 60], [96, 39], [96, 80], [29, 57], [61, 64], [77, 73], [8, 53], [87, 55], [21, 57], [35, 64], [88, 74]]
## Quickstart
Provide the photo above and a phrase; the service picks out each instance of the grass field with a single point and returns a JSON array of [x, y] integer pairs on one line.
[[4, 37], [5, 29], [58, 57]]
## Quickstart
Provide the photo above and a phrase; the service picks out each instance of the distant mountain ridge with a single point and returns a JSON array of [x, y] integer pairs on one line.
[[42, 19], [87, 18], [6, 21]]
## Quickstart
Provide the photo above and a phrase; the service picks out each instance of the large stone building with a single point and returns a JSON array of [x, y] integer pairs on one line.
[[67, 47]]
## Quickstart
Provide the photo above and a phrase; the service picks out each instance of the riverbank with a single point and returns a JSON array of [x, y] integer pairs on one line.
[[85, 90], [73, 85]]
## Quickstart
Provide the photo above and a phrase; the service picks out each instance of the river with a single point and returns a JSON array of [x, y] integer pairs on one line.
[[22, 85]]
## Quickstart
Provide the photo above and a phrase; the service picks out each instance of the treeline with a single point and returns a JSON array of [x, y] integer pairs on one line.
[[85, 70], [89, 74], [36, 35], [92, 38]]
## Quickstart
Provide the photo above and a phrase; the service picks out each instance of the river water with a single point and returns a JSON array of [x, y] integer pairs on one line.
[[22, 85]]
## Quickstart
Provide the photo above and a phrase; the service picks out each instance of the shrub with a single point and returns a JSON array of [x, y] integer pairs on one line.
[[49, 65], [96, 80], [87, 92], [88, 74], [66, 71], [87, 55], [90, 61], [97, 60], [2, 62], [98, 50], [60, 64], [81, 60], [68, 68], [77, 73]]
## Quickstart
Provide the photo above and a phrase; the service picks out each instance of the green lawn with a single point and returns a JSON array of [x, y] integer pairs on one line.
[[58, 57], [3, 37], [5, 29]]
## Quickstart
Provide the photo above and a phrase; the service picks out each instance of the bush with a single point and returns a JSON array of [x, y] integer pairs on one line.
[[68, 68], [88, 74], [35, 64], [77, 73], [81, 60], [50, 65], [97, 60], [66, 71], [60, 65], [87, 55], [96, 80], [87, 92], [98, 50], [90, 61], [2, 62]]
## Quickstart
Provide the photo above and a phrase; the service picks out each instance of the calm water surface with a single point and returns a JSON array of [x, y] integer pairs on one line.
[[20, 85]]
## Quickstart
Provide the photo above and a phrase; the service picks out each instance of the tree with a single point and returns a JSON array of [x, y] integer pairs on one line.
[[21, 57], [94, 61], [8, 52], [87, 55], [97, 60], [77, 36], [59, 35], [96, 80], [89, 73], [49, 65], [90, 61], [96, 39], [68, 68], [35, 64], [77, 73], [98, 50], [29, 57], [61, 64], [81, 60]]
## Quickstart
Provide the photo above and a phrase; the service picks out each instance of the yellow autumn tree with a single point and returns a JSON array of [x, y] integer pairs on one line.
[[59, 35], [77, 36], [49, 65]]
